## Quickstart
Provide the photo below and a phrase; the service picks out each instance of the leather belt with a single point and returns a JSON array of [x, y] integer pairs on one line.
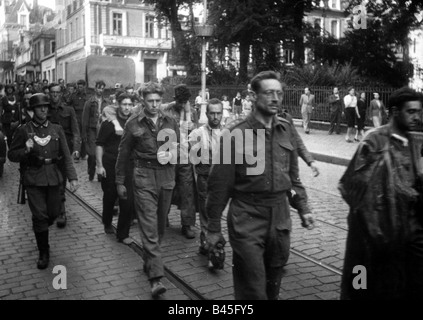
[[261, 199], [149, 163], [50, 161]]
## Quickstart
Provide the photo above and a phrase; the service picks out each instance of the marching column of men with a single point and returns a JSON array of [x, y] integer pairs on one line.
[[162, 148]]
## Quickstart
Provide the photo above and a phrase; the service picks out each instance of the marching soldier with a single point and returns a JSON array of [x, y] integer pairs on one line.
[[259, 222], [64, 116], [39, 145], [154, 177]]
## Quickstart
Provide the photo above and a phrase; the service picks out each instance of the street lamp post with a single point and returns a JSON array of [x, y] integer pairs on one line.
[[204, 31]]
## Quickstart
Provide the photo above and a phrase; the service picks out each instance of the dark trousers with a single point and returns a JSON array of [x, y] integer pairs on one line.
[[79, 119], [126, 207], [202, 196], [91, 166], [335, 119], [185, 185], [90, 149], [3, 148], [260, 241], [8, 132], [44, 203], [62, 187], [153, 195]]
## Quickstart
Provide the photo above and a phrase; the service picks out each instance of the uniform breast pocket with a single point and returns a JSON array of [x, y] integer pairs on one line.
[[55, 141], [283, 156], [65, 121]]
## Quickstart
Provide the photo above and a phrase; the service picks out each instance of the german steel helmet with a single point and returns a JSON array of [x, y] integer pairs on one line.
[[38, 99]]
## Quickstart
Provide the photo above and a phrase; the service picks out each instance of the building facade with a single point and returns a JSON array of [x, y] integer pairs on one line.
[[121, 28]]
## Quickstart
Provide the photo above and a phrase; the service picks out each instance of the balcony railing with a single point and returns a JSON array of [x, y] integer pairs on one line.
[[135, 42]]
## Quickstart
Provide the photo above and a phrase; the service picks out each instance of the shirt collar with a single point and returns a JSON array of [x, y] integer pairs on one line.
[[255, 124], [142, 115], [37, 125]]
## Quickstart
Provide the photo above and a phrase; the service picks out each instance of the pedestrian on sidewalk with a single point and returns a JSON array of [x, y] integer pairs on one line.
[[351, 112], [336, 111], [307, 106], [362, 111], [204, 139], [259, 223], [154, 177], [237, 105], [377, 111], [383, 187], [107, 142], [226, 109], [38, 145]]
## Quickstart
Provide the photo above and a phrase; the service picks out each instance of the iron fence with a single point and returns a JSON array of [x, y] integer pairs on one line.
[[291, 98]]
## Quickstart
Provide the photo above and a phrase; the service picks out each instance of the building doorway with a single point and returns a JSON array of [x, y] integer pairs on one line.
[[150, 70]]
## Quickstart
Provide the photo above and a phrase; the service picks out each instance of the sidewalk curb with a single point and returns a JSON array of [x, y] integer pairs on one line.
[[324, 157]]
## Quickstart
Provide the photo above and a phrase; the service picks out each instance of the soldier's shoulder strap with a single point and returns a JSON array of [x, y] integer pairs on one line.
[[283, 119], [233, 124]]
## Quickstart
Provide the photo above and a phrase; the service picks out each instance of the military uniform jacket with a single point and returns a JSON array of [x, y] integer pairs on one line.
[[276, 155], [40, 163], [140, 141], [65, 116]]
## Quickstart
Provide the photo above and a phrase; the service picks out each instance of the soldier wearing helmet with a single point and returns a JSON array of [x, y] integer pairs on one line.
[[38, 145]]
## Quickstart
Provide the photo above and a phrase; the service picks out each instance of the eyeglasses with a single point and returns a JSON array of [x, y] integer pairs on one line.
[[271, 94], [127, 104], [55, 92]]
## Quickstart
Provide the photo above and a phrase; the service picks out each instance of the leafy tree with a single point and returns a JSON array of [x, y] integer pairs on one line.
[[186, 50], [372, 50]]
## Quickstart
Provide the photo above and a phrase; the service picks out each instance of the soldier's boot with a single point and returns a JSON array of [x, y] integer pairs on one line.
[[61, 220], [202, 248], [43, 248]]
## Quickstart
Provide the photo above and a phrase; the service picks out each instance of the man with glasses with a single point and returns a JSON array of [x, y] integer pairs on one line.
[[259, 222], [63, 115]]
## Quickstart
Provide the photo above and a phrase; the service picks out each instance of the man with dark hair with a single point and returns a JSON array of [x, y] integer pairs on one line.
[[187, 119], [154, 176], [336, 111], [106, 154], [77, 101], [91, 121], [63, 115], [38, 145], [307, 106], [257, 174], [383, 187]]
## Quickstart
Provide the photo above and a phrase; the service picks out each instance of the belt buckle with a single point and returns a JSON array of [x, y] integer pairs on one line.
[[48, 161]]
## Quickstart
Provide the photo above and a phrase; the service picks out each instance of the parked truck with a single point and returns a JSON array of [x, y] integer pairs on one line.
[[110, 69]]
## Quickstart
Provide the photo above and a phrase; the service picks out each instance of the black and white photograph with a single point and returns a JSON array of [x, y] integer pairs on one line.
[[198, 152]]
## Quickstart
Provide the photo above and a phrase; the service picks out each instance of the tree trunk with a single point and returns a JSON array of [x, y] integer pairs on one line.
[[298, 37], [244, 54]]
